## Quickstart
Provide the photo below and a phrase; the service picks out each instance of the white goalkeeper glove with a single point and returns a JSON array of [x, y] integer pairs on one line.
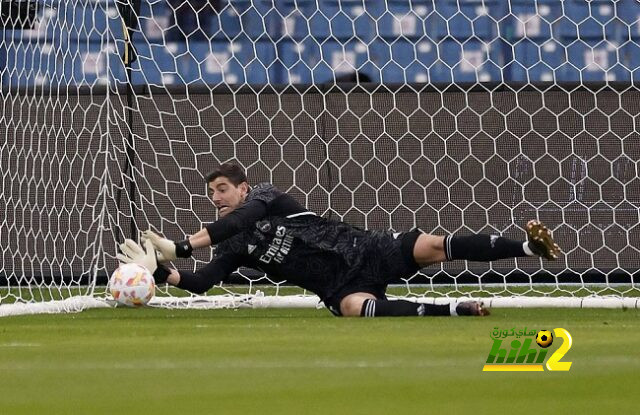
[[133, 253], [167, 249]]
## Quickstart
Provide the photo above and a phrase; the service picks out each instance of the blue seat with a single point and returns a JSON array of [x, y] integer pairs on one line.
[[400, 6], [341, 63], [435, 25], [593, 19], [311, 62], [402, 60], [425, 55], [345, 19], [36, 62], [91, 21], [302, 18], [469, 61], [576, 11], [323, 19], [240, 61], [529, 54], [546, 63], [401, 18], [250, 18], [26, 59], [84, 64], [214, 62], [478, 16], [440, 73], [157, 64], [297, 60], [630, 56], [526, 21], [620, 72], [542, 62], [403, 53], [628, 11], [257, 61], [455, 23], [154, 18], [595, 61], [294, 18], [463, 20], [526, 55]]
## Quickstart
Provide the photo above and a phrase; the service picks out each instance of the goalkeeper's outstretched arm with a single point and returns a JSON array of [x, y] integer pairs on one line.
[[203, 279], [197, 282], [212, 234]]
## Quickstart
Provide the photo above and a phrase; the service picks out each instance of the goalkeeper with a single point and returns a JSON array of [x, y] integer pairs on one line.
[[347, 267]]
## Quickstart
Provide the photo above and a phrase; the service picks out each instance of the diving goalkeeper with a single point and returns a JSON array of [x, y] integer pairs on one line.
[[347, 267]]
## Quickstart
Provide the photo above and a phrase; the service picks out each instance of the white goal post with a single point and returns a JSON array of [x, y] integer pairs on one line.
[[450, 116]]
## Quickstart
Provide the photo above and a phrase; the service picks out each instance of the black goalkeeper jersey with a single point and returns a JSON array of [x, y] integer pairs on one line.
[[294, 245], [263, 200]]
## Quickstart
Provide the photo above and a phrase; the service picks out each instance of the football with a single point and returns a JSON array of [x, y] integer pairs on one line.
[[132, 285], [544, 338]]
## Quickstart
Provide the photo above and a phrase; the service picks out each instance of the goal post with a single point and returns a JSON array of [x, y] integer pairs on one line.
[[476, 117]]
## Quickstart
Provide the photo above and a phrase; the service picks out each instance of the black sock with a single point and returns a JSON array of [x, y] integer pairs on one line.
[[398, 308], [481, 248]]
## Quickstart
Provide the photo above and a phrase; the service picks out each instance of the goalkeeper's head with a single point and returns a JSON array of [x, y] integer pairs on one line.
[[227, 187]]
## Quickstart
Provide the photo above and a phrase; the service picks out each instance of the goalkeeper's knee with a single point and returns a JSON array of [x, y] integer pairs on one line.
[[351, 305]]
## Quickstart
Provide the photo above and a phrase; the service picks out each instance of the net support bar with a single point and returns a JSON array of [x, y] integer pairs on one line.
[[68, 305], [77, 304], [301, 301], [543, 302]]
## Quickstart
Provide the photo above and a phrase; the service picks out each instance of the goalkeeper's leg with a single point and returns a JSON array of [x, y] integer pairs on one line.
[[367, 305], [431, 249]]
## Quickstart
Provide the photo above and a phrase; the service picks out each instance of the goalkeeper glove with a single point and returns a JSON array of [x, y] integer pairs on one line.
[[167, 249], [133, 253]]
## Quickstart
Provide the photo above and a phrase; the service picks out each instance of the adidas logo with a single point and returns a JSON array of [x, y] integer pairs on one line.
[[251, 248]]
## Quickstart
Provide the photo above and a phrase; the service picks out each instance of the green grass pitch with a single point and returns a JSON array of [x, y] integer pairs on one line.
[[153, 361]]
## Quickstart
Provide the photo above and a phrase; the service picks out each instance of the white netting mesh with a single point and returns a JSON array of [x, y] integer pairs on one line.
[[469, 116]]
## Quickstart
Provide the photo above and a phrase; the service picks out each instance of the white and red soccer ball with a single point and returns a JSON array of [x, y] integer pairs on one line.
[[132, 285]]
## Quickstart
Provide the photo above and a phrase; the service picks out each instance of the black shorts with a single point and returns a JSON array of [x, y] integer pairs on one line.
[[387, 257]]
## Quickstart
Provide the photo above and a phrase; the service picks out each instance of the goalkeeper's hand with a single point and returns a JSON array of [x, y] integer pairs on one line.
[[167, 249], [133, 253]]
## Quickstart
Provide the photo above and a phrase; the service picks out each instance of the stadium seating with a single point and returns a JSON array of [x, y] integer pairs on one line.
[[309, 41]]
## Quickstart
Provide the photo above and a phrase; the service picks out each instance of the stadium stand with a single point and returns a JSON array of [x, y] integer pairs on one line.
[[315, 41]]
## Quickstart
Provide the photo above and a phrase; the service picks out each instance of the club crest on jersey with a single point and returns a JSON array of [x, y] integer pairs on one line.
[[279, 247], [263, 226]]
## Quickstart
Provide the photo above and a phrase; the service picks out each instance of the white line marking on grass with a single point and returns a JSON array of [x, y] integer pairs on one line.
[[16, 344], [236, 364]]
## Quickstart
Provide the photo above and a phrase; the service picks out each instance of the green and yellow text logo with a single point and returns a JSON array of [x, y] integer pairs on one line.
[[525, 350]]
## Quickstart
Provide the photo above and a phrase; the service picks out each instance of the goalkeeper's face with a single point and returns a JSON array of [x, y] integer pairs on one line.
[[225, 195]]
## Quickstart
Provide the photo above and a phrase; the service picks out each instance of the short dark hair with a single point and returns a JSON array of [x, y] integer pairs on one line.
[[231, 171]]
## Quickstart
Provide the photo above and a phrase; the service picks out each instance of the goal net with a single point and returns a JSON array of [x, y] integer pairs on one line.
[[450, 116]]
